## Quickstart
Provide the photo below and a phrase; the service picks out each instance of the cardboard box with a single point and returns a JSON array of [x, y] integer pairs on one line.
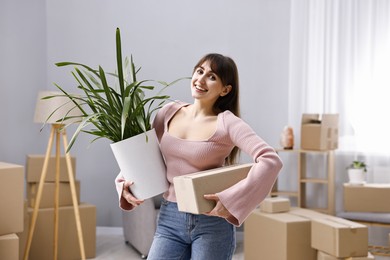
[[277, 236], [324, 256], [275, 205], [9, 247], [48, 194], [34, 168], [23, 235], [307, 213], [190, 188], [367, 198], [12, 198], [68, 243], [339, 237], [319, 132]]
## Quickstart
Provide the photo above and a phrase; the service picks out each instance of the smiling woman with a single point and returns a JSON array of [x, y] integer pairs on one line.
[[206, 88], [203, 135]]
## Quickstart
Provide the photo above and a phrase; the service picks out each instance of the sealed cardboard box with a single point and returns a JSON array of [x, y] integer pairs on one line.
[[48, 194], [339, 237], [190, 188], [324, 256], [9, 247], [367, 197], [68, 243], [275, 205], [319, 132], [12, 198], [277, 236], [34, 168]]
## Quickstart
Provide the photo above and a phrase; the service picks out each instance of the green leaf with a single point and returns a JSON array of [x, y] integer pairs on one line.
[[125, 114], [119, 61]]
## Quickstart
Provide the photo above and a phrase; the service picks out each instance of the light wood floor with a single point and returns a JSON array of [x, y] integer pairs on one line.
[[110, 245]]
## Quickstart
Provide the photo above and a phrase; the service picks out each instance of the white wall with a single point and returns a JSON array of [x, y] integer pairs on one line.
[[22, 73], [166, 38]]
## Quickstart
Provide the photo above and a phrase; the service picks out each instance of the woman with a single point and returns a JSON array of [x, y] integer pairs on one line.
[[203, 135]]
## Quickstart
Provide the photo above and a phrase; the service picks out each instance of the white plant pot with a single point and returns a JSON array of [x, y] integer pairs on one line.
[[141, 161], [356, 176]]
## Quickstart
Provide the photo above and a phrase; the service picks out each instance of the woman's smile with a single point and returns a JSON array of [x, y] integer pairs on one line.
[[197, 87]]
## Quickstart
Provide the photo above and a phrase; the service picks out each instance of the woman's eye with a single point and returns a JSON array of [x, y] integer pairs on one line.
[[212, 77], [199, 71]]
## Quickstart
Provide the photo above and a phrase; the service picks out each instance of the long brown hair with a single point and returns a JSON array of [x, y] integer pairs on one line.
[[227, 71]]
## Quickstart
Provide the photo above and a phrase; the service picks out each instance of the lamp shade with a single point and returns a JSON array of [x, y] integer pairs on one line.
[[62, 106]]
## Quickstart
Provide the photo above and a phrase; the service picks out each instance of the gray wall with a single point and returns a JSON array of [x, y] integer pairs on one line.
[[166, 38]]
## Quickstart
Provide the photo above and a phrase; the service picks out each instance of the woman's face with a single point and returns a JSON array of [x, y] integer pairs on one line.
[[206, 85]]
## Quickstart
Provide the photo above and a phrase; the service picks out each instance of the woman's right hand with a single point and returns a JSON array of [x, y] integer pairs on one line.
[[126, 194]]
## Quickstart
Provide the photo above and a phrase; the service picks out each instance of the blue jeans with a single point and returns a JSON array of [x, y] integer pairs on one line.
[[181, 235]]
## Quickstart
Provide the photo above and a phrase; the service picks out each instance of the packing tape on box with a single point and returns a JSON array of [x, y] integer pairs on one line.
[[353, 226]]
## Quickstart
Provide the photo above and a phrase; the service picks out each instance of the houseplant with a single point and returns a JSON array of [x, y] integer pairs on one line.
[[123, 115], [356, 172]]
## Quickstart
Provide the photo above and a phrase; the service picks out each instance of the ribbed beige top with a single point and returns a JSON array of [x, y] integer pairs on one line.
[[186, 156]]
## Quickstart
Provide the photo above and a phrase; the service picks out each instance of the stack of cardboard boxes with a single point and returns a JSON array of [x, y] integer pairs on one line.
[[11, 209], [42, 244], [276, 231]]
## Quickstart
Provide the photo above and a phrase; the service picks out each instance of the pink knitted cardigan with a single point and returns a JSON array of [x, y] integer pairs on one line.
[[186, 156]]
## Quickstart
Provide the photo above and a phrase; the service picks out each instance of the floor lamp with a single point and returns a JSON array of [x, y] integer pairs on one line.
[[43, 109]]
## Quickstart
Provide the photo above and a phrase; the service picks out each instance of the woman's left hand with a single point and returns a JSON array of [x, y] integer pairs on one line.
[[219, 210]]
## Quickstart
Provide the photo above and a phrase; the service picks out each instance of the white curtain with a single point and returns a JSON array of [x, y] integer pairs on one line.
[[340, 63]]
